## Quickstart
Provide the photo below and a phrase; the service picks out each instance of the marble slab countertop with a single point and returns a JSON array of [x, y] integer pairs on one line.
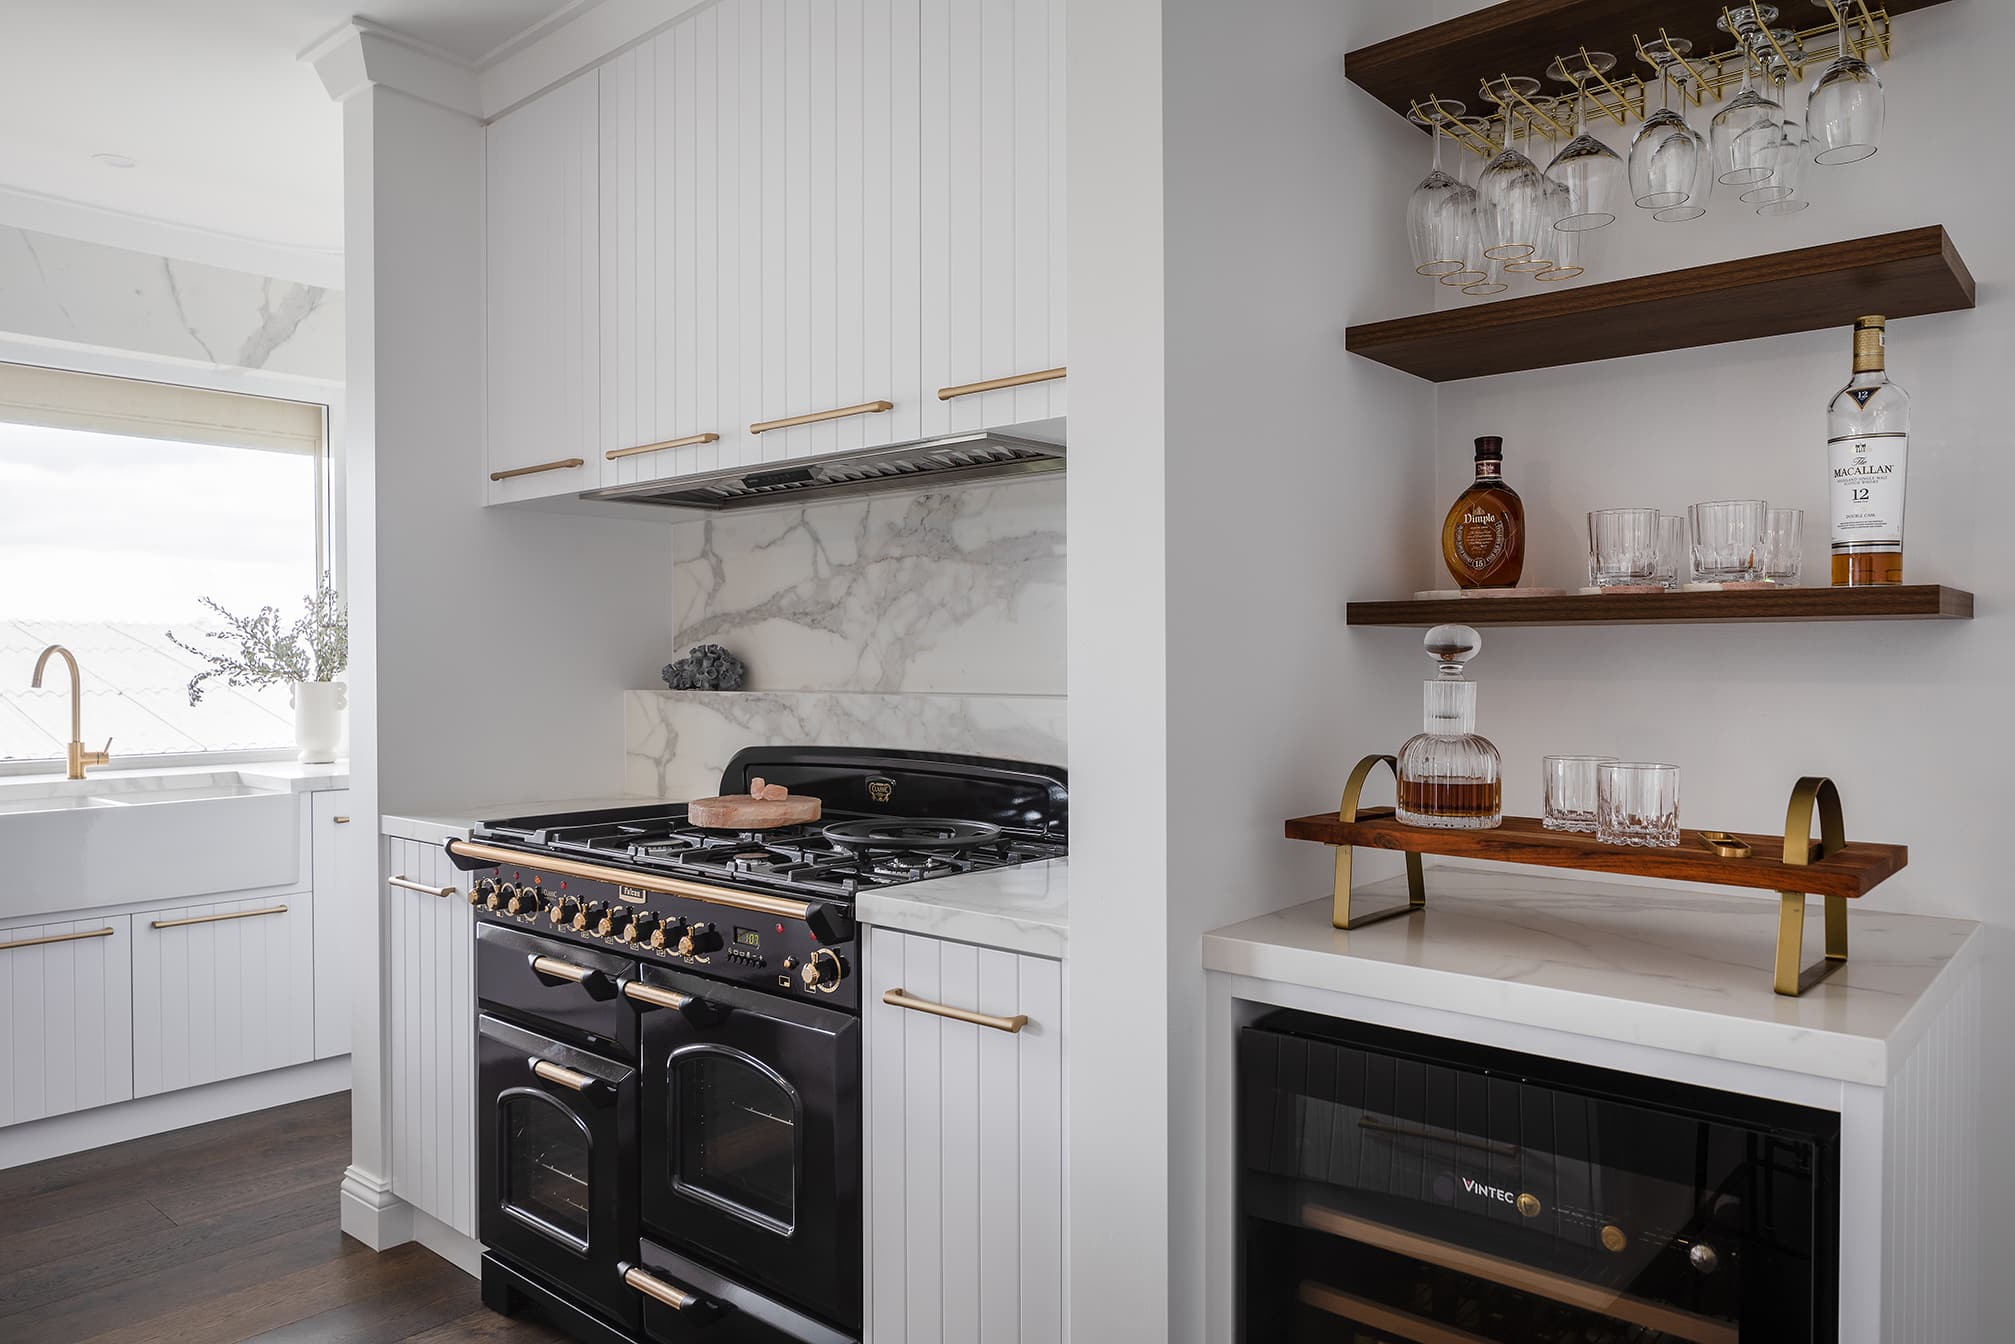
[[135, 776], [438, 825], [1025, 909], [1673, 969]]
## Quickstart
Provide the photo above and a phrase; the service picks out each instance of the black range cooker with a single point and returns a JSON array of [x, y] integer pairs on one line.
[[669, 1039]]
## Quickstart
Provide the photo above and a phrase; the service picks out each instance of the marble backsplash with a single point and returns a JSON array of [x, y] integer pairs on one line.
[[958, 591], [676, 743]]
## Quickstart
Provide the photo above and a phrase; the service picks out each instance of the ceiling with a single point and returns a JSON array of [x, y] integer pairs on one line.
[[228, 130]]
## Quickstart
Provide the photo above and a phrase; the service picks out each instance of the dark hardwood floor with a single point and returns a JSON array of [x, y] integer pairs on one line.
[[217, 1234]]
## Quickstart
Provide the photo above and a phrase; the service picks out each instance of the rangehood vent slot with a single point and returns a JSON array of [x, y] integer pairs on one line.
[[913, 466]]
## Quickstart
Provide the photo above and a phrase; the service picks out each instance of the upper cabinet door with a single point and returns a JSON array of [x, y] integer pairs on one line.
[[993, 209], [542, 364]]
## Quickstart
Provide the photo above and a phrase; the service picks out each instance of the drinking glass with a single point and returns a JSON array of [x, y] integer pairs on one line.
[[1666, 154], [1570, 792], [1783, 545], [1637, 803], [1623, 545], [1843, 116], [1511, 189], [1552, 239], [1439, 211], [1671, 550], [1569, 249], [1784, 154], [1728, 540], [1493, 281], [1740, 130], [1590, 170]]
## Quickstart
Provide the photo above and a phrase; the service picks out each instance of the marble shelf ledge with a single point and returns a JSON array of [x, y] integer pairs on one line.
[[1025, 909], [1672, 969]]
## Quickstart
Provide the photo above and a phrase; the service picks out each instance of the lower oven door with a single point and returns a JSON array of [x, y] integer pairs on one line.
[[752, 1139], [684, 1300], [556, 1122]]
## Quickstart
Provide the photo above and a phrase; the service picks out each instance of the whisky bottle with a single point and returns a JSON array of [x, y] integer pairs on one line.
[[1867, 442], [1483, 537]]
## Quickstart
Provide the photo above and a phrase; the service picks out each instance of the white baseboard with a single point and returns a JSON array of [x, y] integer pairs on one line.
[[371, 1213], [59, 1135], [464, 1253]]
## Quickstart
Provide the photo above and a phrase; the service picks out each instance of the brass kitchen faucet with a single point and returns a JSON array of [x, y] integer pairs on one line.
[[78, 757]]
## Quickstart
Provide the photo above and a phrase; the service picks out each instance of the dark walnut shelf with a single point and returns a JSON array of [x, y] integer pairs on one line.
[[1854, 870], [1904, 602], [1905, 274], [1520, 37]]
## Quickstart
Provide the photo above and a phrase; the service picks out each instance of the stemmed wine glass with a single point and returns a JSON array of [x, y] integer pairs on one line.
[[1511, 189], [1784, 154], [1843, 116], [1590, 170], [1475, 268], [1741, 130], [1440, 212], [1667, 155]]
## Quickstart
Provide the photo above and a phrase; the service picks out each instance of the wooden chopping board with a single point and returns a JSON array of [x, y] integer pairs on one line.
[[746, 812]]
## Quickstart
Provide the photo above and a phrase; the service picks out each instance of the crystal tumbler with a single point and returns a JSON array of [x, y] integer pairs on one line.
[[1637, 803], [1728, 540], [1570, 791], [1623, 546]]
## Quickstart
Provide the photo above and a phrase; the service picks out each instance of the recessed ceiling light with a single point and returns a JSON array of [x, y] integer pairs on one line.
[[114, 160]]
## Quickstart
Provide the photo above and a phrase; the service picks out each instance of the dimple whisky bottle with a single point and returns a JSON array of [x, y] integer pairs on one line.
[[1483, 537]]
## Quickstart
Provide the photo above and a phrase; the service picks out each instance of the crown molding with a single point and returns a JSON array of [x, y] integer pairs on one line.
[[358, 55], [63, 218], [577, 38]]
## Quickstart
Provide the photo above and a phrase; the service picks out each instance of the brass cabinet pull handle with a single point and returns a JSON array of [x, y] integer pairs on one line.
[[865, 408], [996, 384], [57, 938], [561, 970], [678, 1299], [653, 995], [562, 465], [565, 1077], [340, 821], [409, 884], [686, 442], [900, 999], [212, 919]]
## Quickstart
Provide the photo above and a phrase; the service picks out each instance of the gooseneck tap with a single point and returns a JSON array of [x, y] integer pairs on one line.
[[78, 757]]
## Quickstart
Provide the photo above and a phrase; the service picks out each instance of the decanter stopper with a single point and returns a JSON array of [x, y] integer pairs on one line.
[[1451, 646]]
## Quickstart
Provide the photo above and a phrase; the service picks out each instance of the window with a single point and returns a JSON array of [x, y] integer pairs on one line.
[[121, 504]]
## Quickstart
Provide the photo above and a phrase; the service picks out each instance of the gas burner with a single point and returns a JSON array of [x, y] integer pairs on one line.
[[761, 861], [874, 834], [910, 864]]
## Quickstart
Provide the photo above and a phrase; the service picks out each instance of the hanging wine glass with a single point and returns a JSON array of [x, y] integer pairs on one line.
[[1439, 211], [1569, 246], [1590, 170], [1511, 188], [1493, 283], [1667, 155], [1843, 116], [1741, 130], [1476, 269]]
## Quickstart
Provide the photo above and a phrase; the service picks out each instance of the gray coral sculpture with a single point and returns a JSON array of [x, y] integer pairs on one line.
[[707, 667]]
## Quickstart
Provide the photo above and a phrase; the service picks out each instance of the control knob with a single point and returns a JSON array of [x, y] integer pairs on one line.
[[586, 917], [528, 901], [641, 929], [823, 970], [614, 921], [496, 896], [562, 911], [668, 933], [699, 938], [482, 892]]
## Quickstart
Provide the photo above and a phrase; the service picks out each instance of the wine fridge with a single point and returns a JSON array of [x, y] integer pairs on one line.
[[1404, 1189]]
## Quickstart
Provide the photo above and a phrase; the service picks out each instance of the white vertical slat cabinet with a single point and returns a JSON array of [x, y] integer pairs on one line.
[[67, 990], [965, 1147], [222, 989], [335, 924], [993, 209], [542, 285], [430, 1028]]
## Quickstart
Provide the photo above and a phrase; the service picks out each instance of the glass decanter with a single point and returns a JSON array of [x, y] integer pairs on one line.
[[1449, 777]]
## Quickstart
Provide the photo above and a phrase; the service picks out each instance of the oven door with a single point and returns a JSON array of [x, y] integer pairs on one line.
[[752, 1139], [555, 1124]]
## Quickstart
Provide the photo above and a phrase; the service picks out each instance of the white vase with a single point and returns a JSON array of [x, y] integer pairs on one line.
[[318, 718]]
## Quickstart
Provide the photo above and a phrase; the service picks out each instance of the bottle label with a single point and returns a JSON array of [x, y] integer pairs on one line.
[[1867, 472], [1481, 539]]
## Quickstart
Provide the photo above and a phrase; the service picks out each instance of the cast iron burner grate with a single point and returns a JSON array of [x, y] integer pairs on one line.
[[911, 834]]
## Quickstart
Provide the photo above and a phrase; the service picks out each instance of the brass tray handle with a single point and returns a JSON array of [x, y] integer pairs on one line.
[[1341, 915], [563, 464], [655, 996], [899, 999], [408, 884], [212, 919], [996, 384], [678, 1299], [688, 441], [571, 1079], [789, 422], [57, 938], [1813, 793]]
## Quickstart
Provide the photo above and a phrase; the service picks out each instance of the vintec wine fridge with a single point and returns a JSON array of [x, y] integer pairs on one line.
[[1403, 1189]]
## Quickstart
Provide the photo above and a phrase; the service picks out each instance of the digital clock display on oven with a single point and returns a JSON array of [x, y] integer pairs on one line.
[[748, 937]]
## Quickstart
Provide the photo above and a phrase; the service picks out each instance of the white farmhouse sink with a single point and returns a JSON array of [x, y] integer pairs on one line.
[[112, 839]]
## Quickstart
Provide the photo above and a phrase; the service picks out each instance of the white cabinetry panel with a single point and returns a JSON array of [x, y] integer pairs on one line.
[[965, 1147], [69, 1004], [430, 1025], [229, 994], [336, 951], [543, 292]]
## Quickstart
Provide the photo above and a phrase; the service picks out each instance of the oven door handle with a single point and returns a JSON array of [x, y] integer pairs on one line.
[[573, 1080], [692, 1308], [694, 1009], [596, 983]]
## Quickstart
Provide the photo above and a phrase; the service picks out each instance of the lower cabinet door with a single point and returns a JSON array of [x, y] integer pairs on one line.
[[222, 989], [430, 1026], [964, 1144], [67, 991]]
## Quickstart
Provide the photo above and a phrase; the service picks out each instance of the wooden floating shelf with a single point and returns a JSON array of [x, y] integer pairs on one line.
[[1906, 274], [1904, 602], [1521, 37], [1852, 871]]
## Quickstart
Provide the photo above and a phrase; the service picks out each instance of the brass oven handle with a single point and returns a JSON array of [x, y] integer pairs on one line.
[[899, 999], [212, 919], [865, 408], [565, 1077], [408, 884], [653, 995], [562, 465], [996, 384], [57, 938], [678, 1299], [686, 442], [561, 970]]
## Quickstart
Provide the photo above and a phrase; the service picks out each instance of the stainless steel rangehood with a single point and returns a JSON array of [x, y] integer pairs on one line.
[[906, 466]]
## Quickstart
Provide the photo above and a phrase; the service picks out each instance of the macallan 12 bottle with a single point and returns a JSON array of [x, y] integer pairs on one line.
[[1867, 442], [1483, 537]]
